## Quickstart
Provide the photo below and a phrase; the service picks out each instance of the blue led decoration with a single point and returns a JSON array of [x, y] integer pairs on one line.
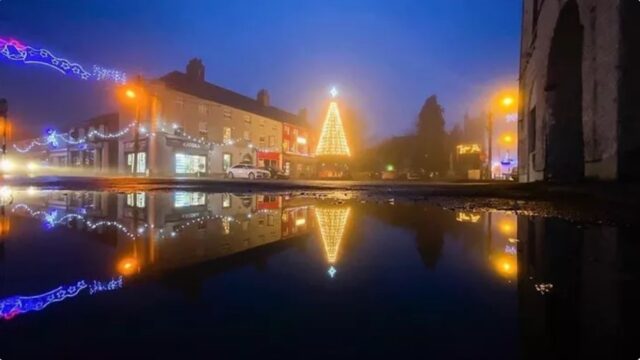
[[16, 51], [102, 286], [16, 305]]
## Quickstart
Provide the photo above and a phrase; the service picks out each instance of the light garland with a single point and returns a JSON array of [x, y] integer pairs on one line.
[[51, 220], [16, 51], [52, 138]]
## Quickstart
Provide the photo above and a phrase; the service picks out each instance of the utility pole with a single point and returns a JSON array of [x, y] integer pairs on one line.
[[4, 110], [490, 147]]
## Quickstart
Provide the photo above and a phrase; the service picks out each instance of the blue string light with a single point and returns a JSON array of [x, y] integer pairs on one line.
[[18, 52]]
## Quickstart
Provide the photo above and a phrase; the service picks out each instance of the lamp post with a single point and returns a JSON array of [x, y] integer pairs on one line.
[[4, 110], [506, 102], [132, 93]]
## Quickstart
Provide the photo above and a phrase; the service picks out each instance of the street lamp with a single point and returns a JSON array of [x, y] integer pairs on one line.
[[506, 102], [132, 93]]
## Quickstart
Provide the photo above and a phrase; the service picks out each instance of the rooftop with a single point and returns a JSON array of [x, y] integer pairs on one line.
[[180, 81]]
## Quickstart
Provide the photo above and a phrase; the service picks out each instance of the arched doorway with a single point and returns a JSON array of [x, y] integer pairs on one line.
[[629, 129], [564, 155]]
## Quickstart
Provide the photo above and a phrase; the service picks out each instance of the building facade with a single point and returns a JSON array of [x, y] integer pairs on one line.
[[192, 127], [578, 76], [82, 147]]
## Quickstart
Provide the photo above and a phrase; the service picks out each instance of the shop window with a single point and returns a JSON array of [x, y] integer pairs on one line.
[[287, 168], [203, 129], [226, 161], [190, 164], [142, 162], [226, 134], [261, 139]]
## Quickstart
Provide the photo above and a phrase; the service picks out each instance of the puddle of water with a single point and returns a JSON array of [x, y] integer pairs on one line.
[[98, 273]]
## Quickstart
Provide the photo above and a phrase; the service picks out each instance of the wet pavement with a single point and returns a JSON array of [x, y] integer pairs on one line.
[[309, 274]]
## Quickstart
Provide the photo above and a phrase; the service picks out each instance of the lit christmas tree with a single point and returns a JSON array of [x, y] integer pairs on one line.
[[333, 141], [332, 223]]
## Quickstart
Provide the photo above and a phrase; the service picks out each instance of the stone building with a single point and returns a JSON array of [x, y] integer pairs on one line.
[[579, 72], [195, 127]]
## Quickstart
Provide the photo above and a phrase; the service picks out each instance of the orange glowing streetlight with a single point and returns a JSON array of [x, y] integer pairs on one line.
[[507, 101], [130, 93]]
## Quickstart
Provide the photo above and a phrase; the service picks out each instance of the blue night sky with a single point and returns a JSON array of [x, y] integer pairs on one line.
[[385, 57]]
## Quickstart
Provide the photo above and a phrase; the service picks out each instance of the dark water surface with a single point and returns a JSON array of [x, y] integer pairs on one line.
[[187, 275]]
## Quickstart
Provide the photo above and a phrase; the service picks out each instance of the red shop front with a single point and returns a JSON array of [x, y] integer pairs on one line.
[[268, 159]]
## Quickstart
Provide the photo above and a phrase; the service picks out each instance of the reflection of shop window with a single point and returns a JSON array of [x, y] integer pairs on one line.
[[270, 220], [136, 199], [246, 135], [142, 162], [285, 145], [226, 201], [190, 164], [226, 161], [287, 167], [261, 140], [226, 134], [226, 226], [286, 130], [272, 141], [184, 199]]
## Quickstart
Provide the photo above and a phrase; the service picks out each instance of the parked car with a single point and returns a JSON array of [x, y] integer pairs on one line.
[[247, 172], [276, 173]]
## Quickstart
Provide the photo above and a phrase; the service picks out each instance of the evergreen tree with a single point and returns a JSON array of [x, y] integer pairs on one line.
[[431, 151]]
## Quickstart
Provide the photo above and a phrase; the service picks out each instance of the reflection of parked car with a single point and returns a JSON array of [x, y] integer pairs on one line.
[[276, 173], [376, 175], [247, 171], [389, 175]]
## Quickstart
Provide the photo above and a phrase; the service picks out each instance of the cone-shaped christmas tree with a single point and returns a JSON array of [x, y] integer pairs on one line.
[[332, 223], [333, 141]]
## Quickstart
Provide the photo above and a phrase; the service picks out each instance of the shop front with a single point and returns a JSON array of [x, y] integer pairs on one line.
[[268, 159], [188, 158], [130, 156]]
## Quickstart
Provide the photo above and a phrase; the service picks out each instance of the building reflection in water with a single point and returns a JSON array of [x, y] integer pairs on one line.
[[332, 222], [578, 290], [156, 232]]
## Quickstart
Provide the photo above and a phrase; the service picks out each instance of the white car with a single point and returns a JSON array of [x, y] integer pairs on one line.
[[246, 171]]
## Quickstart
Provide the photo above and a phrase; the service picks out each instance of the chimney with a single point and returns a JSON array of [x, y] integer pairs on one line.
[[302, 115], [195, 70], [263, 98]]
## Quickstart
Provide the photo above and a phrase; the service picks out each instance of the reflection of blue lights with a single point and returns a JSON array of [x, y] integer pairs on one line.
[[17, 305], [101, 286]]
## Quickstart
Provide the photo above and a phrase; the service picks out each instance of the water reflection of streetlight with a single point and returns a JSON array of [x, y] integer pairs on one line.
[[506, 265], [128, 266]]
